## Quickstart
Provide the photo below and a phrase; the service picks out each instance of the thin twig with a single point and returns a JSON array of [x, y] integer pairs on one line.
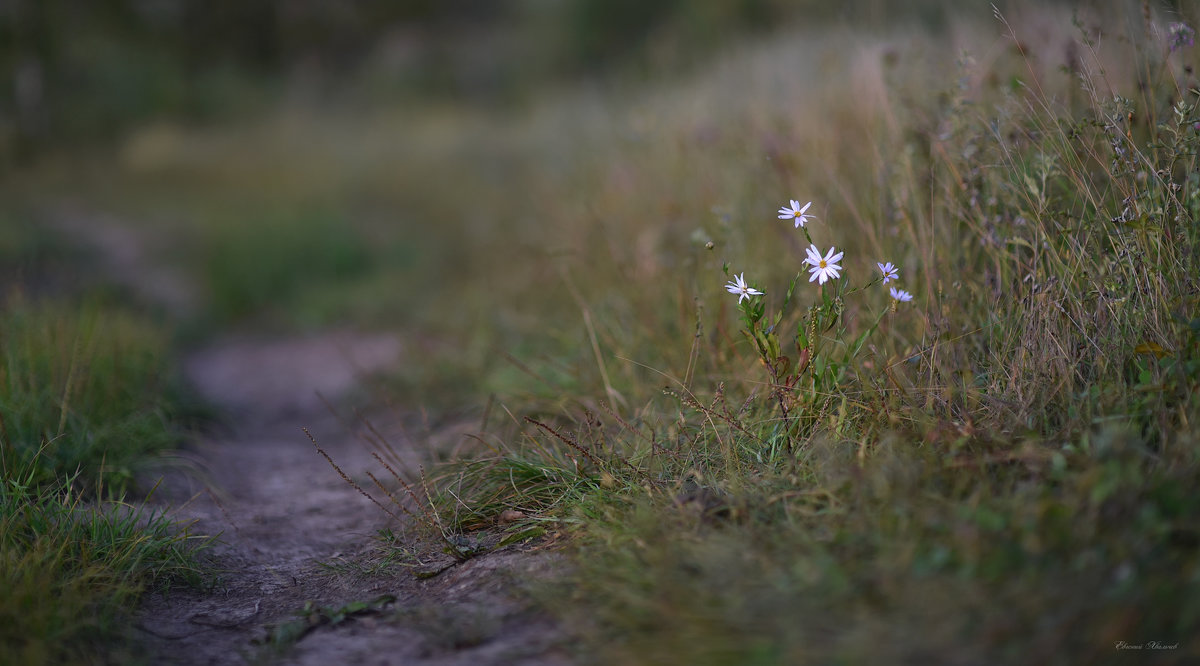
[[566, 440], [347, 479]]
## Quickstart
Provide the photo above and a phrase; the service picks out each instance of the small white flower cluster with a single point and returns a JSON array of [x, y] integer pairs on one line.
[[890, 273], [822, 268]]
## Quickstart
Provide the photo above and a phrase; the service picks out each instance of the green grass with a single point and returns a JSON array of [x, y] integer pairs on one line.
[[73, 570], [85, 400], [85, 392], [999, 476], [274, 263], [903, 556]]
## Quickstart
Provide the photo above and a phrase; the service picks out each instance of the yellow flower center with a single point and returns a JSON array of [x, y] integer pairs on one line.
[[823, 264]]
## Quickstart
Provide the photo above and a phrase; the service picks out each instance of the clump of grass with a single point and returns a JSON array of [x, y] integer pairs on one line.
[[394, 494], [903, 556], [1082, 222], [84, 392], [84, 399], [72, 570]]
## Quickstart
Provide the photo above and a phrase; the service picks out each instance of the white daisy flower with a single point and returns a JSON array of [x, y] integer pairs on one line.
[[901, 295], [823, 268], [795, 212], [889, 271], [738, 286]]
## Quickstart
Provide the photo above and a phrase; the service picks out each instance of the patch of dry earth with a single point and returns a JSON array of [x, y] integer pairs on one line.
[[283, 513]]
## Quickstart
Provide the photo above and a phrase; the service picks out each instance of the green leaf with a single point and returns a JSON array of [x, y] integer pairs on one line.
[[773, 346], [858, 343], [523, 535], [1151, 347], [787, 299]]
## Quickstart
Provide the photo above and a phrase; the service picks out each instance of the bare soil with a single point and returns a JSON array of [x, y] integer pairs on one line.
[[293, 533]]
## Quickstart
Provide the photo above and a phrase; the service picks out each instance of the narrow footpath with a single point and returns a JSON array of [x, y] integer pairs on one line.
[[294, 534]]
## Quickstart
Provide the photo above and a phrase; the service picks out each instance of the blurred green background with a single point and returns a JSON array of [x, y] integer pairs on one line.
[[323, 161], [89, 69], [454, 169]]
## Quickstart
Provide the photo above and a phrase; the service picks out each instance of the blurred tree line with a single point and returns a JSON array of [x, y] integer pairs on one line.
[[79, 70]]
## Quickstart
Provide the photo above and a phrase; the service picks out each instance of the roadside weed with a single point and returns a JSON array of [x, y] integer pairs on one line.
[[979, 378]]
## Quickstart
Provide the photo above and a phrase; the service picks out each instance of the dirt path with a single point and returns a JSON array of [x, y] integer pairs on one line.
[[285, 517], [293, 534]]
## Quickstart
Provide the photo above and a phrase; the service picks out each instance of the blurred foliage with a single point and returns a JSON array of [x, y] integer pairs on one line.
[[250, 266], [34, 258], [72, 69]]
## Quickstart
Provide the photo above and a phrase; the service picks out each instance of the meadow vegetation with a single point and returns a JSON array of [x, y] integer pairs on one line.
[[85, 402], [994, 472], [997, 471], [73, 569]]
